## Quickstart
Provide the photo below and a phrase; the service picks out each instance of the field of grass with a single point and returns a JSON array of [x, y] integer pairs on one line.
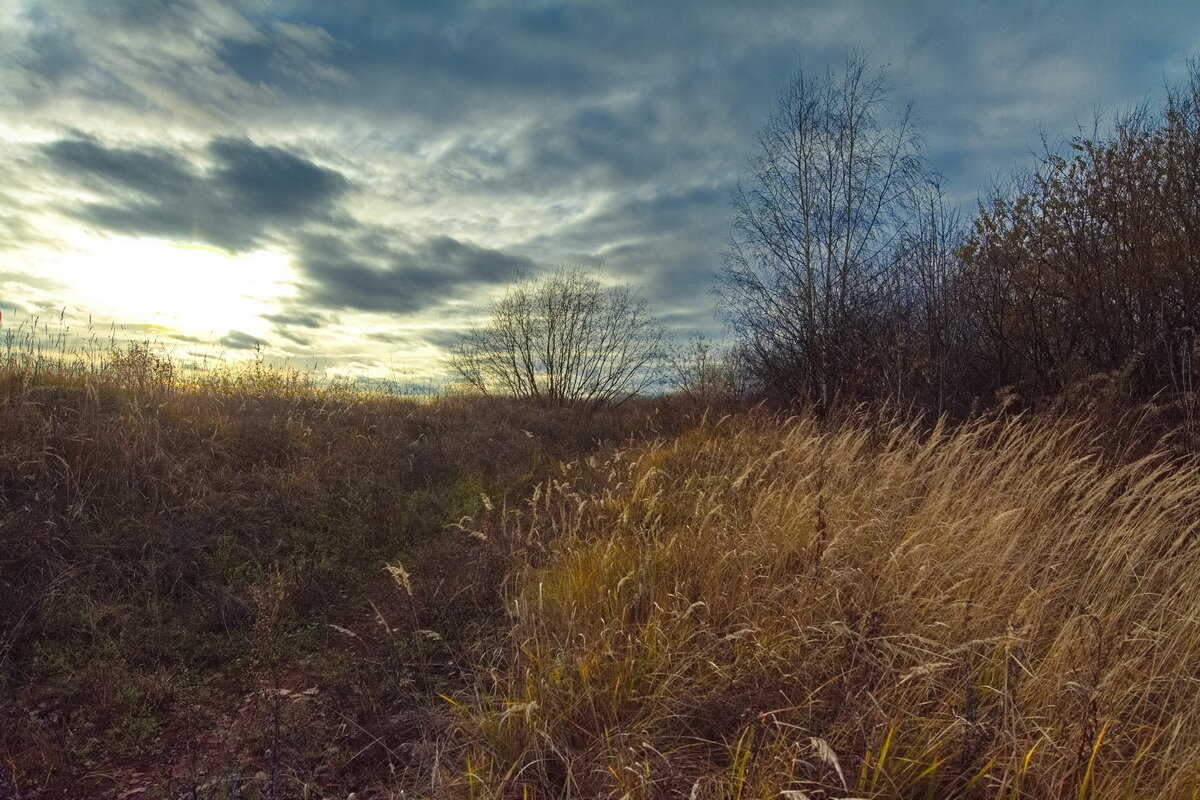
[[762, 609], [252, 585], [194, 578]]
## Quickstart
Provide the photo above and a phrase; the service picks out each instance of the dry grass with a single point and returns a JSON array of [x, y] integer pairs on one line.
[[765, 609], [181, 550], [201, 570]]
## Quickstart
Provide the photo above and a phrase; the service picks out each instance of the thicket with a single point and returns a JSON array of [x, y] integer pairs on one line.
[[851, 279], [563, 340]]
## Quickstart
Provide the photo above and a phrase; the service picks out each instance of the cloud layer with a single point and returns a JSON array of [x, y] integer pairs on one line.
[[410, 159]]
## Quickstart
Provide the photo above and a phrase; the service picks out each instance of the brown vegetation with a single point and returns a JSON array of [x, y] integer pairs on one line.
[[762, 609], [251, 585], [180, 552]]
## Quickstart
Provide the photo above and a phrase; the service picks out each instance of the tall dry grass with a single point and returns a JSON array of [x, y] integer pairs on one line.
[[767, 609], [195, 570]]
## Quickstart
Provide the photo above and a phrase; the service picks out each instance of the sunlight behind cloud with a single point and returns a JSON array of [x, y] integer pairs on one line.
[[198, 291]]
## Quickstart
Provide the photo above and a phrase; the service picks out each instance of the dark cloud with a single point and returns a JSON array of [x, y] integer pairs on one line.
[[151, 172], [53, 61], [237, 340], [440, 338], [149, 57], [604, 133], [392, 338], [13, 310], [616, 141], [664, 242], [443, 338], [366, 275], [446, 50], [305, 319], [247, 191], [183, 337], [155, 16], [285, 324], [295, 338], [52, 53], [269, 183]]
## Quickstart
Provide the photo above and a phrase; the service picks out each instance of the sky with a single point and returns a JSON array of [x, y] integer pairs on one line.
[[349, 184]]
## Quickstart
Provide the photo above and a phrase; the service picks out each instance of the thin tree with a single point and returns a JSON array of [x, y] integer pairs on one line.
[[703, 373], [927, 332], [825, 198], [563, 340]]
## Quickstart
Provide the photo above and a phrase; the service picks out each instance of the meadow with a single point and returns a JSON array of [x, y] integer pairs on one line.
[[249, 583]]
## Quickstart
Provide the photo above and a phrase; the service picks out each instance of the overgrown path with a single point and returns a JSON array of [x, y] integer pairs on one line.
[[249, 580]]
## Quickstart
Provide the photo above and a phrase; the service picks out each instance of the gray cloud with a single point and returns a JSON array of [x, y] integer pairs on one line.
[[246, 192], [304, 319], [269, 183], [370, 275], [296, 338], [237, 340], [146, 58], [408, 154], [443, 338], [183, 337], [13, 308], [440, 338], [152, 172], [286, 325]]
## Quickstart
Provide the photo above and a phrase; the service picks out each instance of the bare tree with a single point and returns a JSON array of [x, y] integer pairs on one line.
[[818, 214], [703, 373], [927, 331], [563, 340]]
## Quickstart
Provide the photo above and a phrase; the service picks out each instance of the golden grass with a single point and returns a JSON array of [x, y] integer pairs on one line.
[[752, 608], [178, 548], [766, 609]]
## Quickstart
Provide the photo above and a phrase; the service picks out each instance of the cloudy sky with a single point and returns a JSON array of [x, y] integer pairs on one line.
[[350, 182]]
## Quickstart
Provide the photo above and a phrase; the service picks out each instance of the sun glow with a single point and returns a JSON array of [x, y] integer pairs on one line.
[[198, 291]]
